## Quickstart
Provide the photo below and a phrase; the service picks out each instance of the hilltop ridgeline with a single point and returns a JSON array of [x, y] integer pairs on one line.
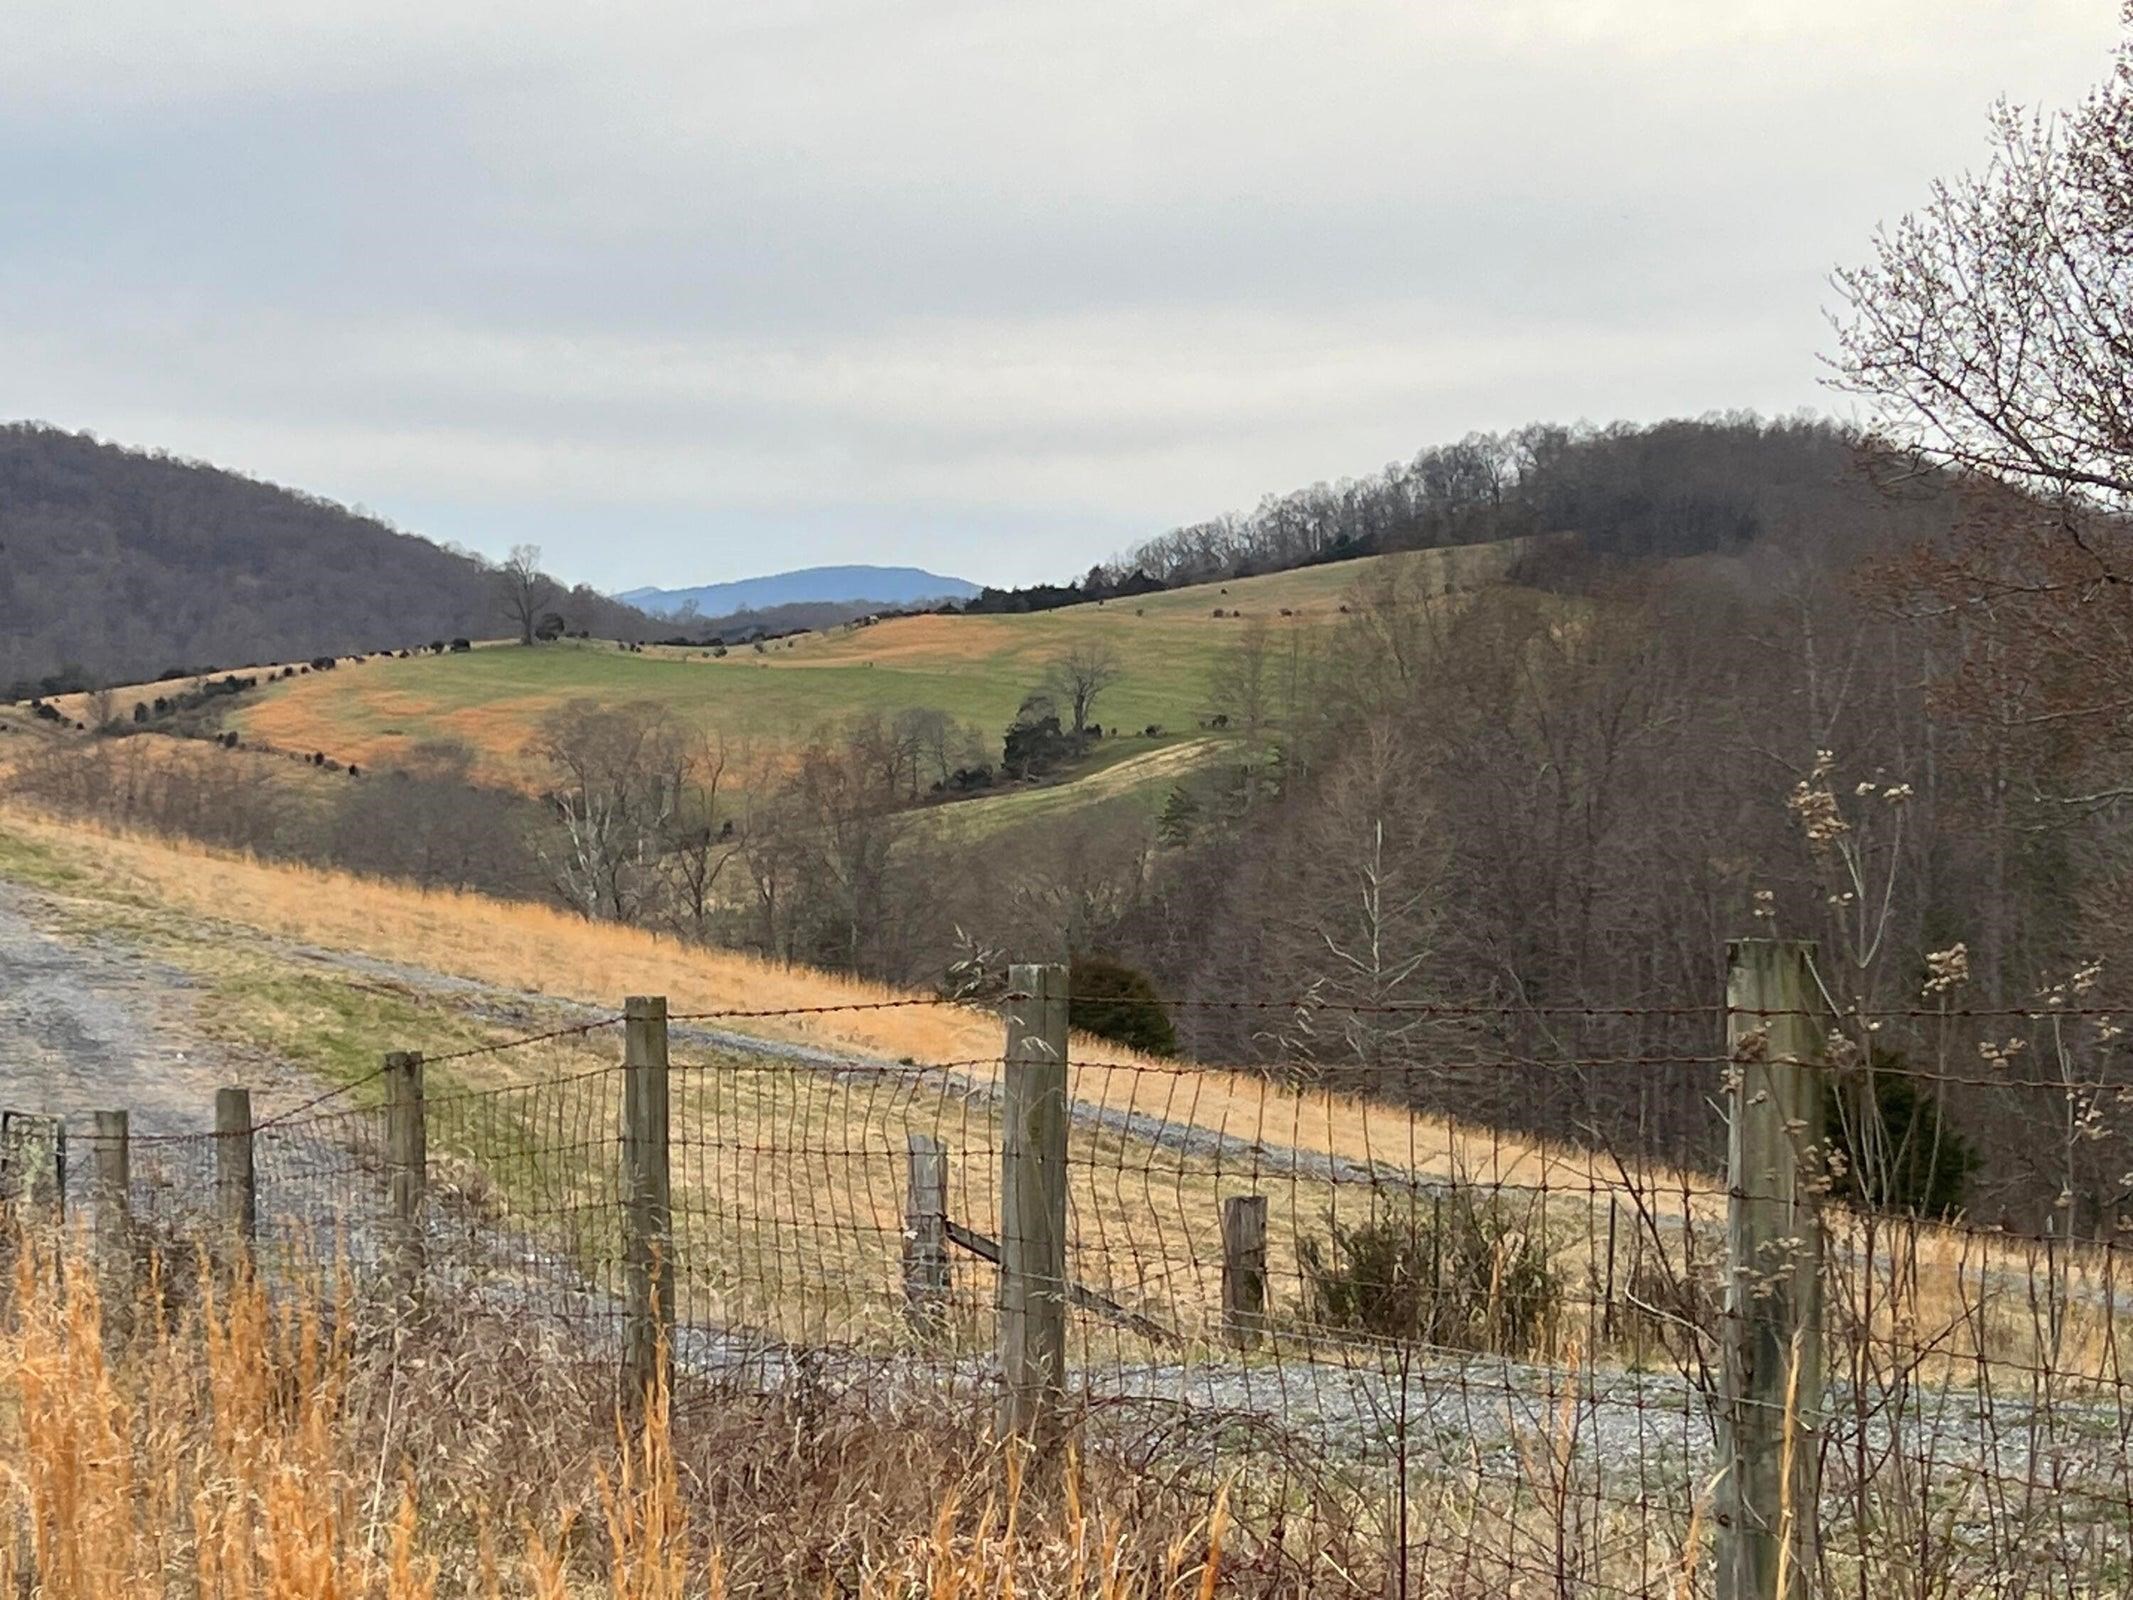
[[117, 565]]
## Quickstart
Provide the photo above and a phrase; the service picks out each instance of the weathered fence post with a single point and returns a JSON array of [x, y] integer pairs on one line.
[[648, 1208], [114, 1221], [407, 1163], [236, 1192], [1770, 1437], [33, 1165], [1244, 1268], [928, 1279], [1033, 1194]]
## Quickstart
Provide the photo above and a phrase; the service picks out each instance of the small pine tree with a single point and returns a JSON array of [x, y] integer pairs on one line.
[[1899, 1151], [1180, 819], [1117, 1002]]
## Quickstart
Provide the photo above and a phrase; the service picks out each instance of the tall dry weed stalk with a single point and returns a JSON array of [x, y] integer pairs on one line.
[[233, 1447]]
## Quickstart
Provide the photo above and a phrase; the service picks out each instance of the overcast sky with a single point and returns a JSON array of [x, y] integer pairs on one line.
[[691, 291]]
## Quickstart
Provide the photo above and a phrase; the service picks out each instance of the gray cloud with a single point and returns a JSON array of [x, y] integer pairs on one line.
[[687, 292]]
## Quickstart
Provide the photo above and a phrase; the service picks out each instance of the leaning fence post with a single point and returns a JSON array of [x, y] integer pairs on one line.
[[236, 1193], [1033, 1193], [1244, 1268], [647, 1217], [407, 1162], [114, 1221], [1770, 1438], [928, 1278]]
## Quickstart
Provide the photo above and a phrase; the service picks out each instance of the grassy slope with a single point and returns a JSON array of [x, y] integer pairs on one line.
[[784, 1164], [198, 907], [786, 1157], [977, 669]]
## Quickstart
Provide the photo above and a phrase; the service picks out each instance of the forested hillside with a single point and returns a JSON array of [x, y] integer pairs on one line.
[[119, 564], [1892, 723], [1675, 488]]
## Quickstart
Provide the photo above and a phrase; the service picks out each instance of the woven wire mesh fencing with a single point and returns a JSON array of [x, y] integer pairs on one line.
[[1845, 1318]]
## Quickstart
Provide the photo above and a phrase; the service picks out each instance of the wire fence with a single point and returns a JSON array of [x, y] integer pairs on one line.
[[1498, 1361]]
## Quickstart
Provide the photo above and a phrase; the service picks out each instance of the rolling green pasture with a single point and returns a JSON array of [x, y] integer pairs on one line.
[[977, 669]]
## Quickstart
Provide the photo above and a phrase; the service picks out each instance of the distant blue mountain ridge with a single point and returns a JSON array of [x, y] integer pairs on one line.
[[886, 586]]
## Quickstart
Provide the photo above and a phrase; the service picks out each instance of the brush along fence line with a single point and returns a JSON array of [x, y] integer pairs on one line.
[[1794, 1370]]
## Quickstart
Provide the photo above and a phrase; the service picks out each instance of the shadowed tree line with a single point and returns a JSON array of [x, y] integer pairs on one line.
[[1669, 489]]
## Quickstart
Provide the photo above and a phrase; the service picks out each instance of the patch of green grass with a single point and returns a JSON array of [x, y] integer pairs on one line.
[[523, 1141], [24, 860], [332, 1026], [1140, 781]]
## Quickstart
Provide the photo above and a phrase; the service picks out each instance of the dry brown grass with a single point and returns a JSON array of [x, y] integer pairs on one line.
[[324, 1442], [323, 1445], [302, 717]]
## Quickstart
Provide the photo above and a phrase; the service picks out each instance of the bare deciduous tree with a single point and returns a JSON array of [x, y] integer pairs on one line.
[[617, 785], [1077, 678], [1242, 690], [1993, 325], [939, 745], [103, 709], [702, 839], [527, 591], [1361, 918], [433, 823]]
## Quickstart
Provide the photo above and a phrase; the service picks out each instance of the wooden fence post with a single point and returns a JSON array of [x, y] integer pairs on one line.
[[33, 1165], [648, 1210], [1244, 1268], [236, 1191], [928, 1278], [407, 1163], [114, 1222], [1033, 1194], [1770, 1436]]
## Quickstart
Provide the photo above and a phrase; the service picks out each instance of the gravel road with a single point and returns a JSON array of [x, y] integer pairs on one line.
[[86, 1024]]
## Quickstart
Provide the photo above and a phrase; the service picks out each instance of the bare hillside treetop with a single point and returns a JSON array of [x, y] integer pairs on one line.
[[1994, 326]]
